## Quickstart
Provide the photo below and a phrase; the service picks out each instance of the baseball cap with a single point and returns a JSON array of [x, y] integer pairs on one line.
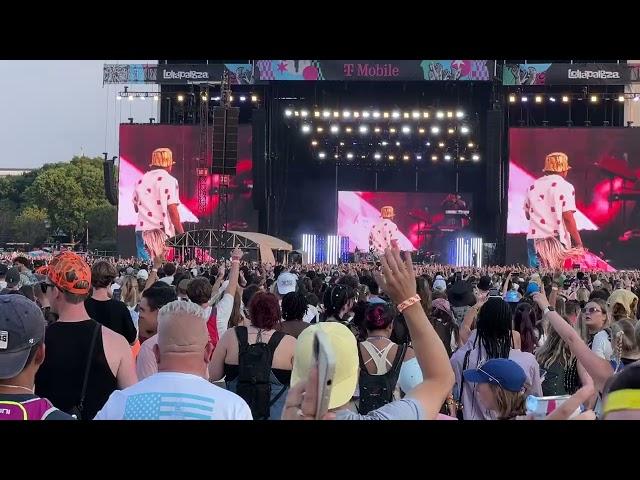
[[484, 283], [143, 274], [597, 284], [69, 272], [440, 285], [182, 328], [129, 271], [22, 326], [512, 297], [345, 349], [532, 288], [12, 277], [498, 371], [287, 283]]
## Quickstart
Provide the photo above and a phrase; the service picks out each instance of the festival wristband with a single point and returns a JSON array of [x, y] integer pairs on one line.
[[408, 302]]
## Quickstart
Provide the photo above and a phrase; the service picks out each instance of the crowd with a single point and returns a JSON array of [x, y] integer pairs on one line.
[[106, 339]]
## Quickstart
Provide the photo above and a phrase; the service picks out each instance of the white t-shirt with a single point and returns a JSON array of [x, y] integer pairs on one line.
[[601, 345], [312, 314], [174, 396], [155, 191], [381, 235], [223, 313], [547, 199]]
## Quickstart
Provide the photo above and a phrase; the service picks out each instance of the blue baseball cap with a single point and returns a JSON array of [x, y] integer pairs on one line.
[[532, 288], [498, 371], [512, 296]]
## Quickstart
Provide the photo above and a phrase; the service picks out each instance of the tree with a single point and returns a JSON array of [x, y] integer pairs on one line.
[[8, 213], [31, 226], [102, 223]]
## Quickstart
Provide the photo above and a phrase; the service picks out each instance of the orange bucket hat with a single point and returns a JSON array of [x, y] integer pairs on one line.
[[162, 157], [69, 272]]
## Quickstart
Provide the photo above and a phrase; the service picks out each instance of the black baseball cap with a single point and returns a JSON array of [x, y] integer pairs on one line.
[[12, 277], [22, 326]]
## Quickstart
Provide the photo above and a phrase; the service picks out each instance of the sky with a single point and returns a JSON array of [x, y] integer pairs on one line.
[[51, 110]]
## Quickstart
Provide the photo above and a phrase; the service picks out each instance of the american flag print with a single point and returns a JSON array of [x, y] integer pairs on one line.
[[168, 406]]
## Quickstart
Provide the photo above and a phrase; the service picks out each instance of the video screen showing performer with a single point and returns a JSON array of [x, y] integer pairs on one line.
[[605, 175], [375, 220]]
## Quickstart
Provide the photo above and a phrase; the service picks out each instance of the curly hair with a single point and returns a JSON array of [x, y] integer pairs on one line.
[[264, 311], [294, 306]]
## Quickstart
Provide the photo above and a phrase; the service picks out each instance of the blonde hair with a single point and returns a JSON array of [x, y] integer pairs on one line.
[[180, 306], [130, 291], [553, 350], [624, 334], [509, 404]]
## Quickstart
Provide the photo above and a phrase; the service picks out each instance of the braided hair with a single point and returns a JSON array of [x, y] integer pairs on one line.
[[494, 328], [294, 306]]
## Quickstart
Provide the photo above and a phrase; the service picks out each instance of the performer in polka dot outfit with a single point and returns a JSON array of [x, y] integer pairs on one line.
[[384, 234], [156, 200], [550, 206]]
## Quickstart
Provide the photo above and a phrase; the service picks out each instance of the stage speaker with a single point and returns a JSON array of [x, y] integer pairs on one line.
[[225, 140], [494, 161], [258, 126], [109, 182]]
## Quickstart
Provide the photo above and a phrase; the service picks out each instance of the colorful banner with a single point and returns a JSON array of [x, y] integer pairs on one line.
[[239, 73], [383, 70], [113, 73], [566, 74]]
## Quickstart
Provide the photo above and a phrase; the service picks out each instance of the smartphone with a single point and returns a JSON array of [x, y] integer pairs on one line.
[[326, 361]]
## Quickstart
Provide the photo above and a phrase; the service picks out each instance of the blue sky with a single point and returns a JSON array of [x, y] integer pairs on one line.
[[51, 110]]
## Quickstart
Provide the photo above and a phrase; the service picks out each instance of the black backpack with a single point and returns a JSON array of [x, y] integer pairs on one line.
[[254, 372], [377, 390]]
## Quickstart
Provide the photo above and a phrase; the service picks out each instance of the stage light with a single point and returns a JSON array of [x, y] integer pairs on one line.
[[304, 113], [440, 115], [392, 130], [451, 131], [322, 155], [335, 128], [156, 98], [336, 114], [314, 142], [512, 98], [363, 129], [377, 129], [421, 130], [288, 113], [348, 129], [342, 144], [565, 99], [306, 128], [363, 156], [243, 98], [320, 129], [231, 98], [384, 143], [524, 99], [594, 98], [376, 114], [349, 155], [180, 98], [335, 156], [461, 158], [475, 157], [131, 98], [296, 113], [406, 129], [346, 114], [391, 157], [428, 144], [434, 157], [254, 98], [459, 114], [216, 99], [449, 114], [435, 130], [470, 145], [552, 99], [441, 144], [636, 97], [405, 114], [385, 114], [203, 97], [415, 114], [356, 114], [425, 114], [538, 99], [316, 114], [464, 130], [119, 97], [418, 157], [621, 98], [395, 114], [365, 114], [397, 144], [377, 156], [326, 113], [405, 157], [447, 157]]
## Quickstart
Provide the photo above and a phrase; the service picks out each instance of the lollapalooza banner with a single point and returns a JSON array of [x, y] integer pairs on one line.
[[177, 74], [349, 70], [566, 74]]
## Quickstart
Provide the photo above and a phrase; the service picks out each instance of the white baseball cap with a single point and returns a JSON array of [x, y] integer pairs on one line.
[[143, 274], [287, 283]]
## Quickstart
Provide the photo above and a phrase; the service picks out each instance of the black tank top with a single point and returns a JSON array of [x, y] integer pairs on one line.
[[60, 377]]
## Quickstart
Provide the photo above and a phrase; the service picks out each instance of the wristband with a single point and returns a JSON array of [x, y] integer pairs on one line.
[[408, 302]]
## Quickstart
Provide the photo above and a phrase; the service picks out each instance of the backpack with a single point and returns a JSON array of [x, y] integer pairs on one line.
[[33, 409], [254, 372], [377, 390]]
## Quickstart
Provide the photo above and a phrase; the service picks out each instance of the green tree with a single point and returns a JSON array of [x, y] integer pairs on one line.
[[31, 226], [102, 223], [8, 213]]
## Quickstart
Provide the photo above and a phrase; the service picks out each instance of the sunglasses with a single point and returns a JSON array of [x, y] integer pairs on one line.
[[592, 310]]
